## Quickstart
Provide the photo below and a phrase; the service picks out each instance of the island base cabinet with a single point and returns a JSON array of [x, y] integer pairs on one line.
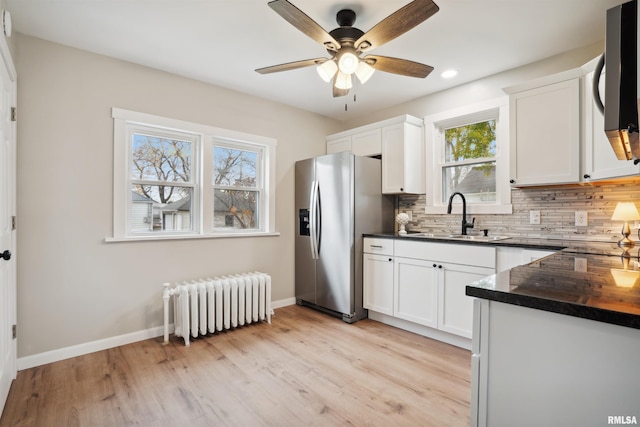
[[537, 368]]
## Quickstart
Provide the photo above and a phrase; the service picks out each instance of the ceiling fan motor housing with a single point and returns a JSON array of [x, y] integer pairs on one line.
[[346, 18]]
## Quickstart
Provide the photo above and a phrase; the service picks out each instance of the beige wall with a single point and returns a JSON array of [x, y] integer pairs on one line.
[[73, 287]]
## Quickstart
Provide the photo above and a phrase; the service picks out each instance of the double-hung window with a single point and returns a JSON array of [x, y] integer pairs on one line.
[[163, 174], [467, 152], [238, 187], [176, 179]]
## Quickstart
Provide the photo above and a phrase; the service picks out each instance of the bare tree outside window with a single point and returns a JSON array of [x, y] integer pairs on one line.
[[236, 188], [161, 172]]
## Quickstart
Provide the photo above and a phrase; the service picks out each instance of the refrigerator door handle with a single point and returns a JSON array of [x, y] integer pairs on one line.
[[313, 220], [318, 208]]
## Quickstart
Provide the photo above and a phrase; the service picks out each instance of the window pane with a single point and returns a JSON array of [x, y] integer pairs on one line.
[[476, 182], [161, 208], [235, 168], [235, 209], [473, 141], [160, 159]]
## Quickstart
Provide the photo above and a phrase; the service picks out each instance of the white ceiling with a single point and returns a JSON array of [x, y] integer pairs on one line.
[[223, 41]]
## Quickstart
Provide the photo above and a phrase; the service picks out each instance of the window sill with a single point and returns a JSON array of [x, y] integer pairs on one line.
[[189, 237]]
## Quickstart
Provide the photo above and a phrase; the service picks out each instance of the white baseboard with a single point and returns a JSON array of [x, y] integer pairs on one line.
[[104, 344], [283, 303], [425, 331]]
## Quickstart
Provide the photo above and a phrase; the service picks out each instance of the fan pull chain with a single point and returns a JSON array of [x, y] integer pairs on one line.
[[345, 104]]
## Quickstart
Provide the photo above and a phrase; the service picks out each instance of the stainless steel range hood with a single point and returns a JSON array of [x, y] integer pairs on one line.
[[621, 85]]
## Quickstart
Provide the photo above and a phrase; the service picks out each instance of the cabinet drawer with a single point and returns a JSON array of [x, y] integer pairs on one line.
[[477, 255], [373, 245]]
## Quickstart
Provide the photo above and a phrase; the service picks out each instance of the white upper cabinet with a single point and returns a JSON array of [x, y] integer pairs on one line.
[[545, 130], [403, 159], [400, 143], [600, 162]]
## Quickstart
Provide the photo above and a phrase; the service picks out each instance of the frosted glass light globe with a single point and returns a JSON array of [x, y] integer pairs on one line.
[[348, 63]]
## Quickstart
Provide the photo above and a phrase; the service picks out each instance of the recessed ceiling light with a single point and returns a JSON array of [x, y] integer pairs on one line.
[[447, 74]]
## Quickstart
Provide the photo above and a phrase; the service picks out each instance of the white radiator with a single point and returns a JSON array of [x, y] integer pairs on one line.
[[210, 305]]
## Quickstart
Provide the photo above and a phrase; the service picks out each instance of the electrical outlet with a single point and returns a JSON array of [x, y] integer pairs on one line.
[[581, 219], [534, 217], [580, 265]]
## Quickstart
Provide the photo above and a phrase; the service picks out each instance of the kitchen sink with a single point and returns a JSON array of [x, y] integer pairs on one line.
[[458, 237]]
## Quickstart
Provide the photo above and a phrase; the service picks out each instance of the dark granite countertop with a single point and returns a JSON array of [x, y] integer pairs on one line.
[[605, 288], [591, 280]]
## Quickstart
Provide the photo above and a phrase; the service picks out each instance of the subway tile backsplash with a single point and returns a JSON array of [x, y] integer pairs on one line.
[[557, 206]]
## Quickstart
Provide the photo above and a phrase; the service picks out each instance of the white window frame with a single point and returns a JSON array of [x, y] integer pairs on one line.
[[260, 175], [126, 121], [435, 126], [133, 128]]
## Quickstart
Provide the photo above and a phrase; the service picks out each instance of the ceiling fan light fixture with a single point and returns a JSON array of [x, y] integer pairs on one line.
[[343, 81], [348, 62], [327, 70], [364, 72]]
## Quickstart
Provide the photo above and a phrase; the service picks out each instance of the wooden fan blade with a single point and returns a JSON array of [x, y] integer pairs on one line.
[[338, 92], [302, 22], [291, 65], [403, 67], [397, 24]]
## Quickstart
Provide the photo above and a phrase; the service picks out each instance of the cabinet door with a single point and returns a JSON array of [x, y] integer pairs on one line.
[[456, 309], [416, 291], [403, 160], [367, 143], [377, 280], [339, 145], [393, 159], [545, 134]]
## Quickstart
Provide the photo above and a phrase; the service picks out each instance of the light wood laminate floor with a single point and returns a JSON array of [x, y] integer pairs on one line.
[[305, 369]]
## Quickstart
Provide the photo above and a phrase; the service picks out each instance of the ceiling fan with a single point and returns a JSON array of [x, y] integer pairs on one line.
[[346, 43]]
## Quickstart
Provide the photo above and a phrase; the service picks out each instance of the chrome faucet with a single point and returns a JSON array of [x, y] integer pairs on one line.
[[465, 224]]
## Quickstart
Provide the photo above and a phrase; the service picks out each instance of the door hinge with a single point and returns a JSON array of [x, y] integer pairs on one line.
[[14, 331], [14, 114], [13, 222]]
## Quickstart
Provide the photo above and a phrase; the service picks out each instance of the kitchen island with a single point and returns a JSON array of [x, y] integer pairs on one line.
[[557, 342]]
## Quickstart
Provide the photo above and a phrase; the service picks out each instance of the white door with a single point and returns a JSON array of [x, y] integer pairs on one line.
[[7, 235]]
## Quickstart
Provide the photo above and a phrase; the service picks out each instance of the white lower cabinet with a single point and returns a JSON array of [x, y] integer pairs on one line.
[[416, 291], [377, 274], [423, 289], [456, 308]]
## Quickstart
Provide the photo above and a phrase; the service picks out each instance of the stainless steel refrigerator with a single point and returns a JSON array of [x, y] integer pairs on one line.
[[338, 198]]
